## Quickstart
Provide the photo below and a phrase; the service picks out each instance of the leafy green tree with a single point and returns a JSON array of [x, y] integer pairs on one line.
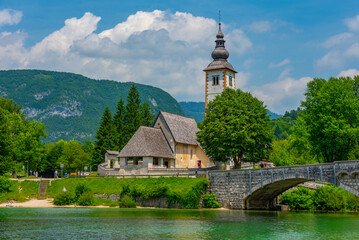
[[331, 116], [28, 145], [236, 127], [296, 150], [132, 118], [147, 115], [118, 120], [73, 156], [51, 159], [105, 138], [21, 138], [87, 146], [282, 127], [5, 143]]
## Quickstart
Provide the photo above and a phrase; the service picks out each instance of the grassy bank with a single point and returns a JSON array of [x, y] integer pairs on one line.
[[17, 191], [185, 192], [182, 192]]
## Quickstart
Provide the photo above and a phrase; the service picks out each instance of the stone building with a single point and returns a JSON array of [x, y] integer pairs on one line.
[[170, 144], [219, 73]]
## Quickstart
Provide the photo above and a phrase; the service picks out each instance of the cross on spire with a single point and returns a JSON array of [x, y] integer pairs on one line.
[[219, 15]]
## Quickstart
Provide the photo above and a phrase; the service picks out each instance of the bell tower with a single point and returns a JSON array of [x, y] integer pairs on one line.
[[219, 73]]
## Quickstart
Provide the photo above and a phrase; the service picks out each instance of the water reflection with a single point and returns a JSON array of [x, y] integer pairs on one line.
[[87, 223]]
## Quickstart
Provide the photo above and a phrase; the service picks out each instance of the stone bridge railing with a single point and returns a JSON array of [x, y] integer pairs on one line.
[[258, 188]]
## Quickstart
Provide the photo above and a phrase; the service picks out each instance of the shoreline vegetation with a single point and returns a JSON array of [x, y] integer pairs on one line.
[[172, 192]]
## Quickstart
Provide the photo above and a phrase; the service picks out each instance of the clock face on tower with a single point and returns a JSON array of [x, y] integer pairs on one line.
[[219, 73]]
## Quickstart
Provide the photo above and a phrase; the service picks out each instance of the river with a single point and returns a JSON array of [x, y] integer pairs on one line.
[[105, 223]]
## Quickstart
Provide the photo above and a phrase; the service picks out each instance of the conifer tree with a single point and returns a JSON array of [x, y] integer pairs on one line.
[[146, 115], [105, 137], [132, 118], [118, 120]]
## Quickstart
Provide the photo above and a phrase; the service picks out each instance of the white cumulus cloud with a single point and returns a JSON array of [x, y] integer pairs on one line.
[[353, 23], [343, 48], [238, 42], [337, 39], [349, 73], [10, 17], [282, 95]]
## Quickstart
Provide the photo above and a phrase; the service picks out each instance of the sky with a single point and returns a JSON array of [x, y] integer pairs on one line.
[[276, 46]]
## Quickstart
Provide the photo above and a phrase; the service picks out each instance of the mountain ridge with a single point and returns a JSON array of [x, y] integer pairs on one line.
[[71, 105]]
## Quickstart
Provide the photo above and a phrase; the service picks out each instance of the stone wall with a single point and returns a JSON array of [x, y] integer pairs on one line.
[[155, 202], [258, 188]]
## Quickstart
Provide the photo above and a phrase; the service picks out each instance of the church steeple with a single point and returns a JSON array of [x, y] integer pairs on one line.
[[220, 51], [219, 73]]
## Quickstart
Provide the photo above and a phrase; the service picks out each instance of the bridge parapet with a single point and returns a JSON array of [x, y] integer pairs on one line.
[[257, 188]]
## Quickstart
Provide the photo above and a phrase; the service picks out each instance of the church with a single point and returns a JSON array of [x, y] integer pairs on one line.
[[171, 145]]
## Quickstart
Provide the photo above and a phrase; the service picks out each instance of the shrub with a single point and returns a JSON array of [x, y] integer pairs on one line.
[[191, 198], [5, 185], [173, 198], [156, 191], [64, 198], [209, 201], [330, 198], [352, 201], [127, 202], [125, 188], [80, 189], [300, 199], [86, 199]]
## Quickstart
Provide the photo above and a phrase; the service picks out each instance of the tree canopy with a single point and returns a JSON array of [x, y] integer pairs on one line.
[[20, 138], [236, 127], [331, 116]]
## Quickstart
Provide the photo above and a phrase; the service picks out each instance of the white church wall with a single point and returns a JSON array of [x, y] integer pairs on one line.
[[214, 90]]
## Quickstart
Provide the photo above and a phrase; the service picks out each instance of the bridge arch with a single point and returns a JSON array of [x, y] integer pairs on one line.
[[258, 188]]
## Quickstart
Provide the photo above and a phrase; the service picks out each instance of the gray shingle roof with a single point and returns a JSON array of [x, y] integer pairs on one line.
[[147, 142], [183, 128], [219, 64]]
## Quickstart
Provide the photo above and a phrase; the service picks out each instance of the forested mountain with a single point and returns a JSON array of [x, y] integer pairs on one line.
[[196, 110], [71, 105]]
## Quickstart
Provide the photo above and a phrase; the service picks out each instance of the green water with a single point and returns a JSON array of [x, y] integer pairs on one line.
[[95, 223]]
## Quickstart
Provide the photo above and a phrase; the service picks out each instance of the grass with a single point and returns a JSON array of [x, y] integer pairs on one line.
[[21, 191], [183, 191], [115, 186]]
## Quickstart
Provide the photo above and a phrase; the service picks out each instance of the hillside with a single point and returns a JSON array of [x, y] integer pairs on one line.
[[196, 110], [71, 105]]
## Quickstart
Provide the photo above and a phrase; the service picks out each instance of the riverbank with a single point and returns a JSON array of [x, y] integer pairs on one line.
[[170, 192], [33, 203], [43, 203]]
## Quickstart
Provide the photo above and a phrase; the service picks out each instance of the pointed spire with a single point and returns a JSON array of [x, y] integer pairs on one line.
[[220, 51], [219, 34]]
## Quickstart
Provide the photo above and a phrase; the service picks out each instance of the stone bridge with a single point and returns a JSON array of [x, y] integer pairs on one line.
[[258, 188]]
